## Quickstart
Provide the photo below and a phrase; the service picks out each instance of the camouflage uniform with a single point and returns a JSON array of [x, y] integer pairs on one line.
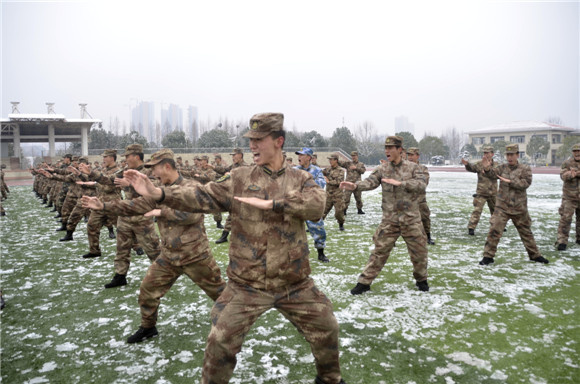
[[485, 193], [334, 195], [353, 175], [511, 203], [401, 217], [269, 265], [184, 250], [316, 228], [570, 199], [229, 168]]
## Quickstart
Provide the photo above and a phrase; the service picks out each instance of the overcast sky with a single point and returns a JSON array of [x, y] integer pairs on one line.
[[467, 64]]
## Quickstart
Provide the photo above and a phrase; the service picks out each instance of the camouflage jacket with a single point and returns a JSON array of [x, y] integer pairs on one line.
[[219, 169], [400, 203], [105, 178], [236, 165], [334, 177], [422, 196], [571, 187], [268, 249], [486, 182], [74, 189], [512, 197], [353, 175], [183, 236], [202, 175]]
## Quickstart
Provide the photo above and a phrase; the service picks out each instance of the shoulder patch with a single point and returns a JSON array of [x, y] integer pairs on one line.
[[223, 178], [254, 188]]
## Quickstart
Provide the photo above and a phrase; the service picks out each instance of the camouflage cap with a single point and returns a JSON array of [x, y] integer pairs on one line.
[[84, 159], [75, 158], [262, 124], [204, 157], [217, 156], [334, 155], [236, 151], [196, 157], [133, 149], [413, 151], [576, 147], [156, 158], [178, 158], [354, 153], [392, 141], [487, 148], [109, 152], [68, 155], [512, 148]]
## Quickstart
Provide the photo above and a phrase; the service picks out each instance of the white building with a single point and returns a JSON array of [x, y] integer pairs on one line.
[[521, 132]]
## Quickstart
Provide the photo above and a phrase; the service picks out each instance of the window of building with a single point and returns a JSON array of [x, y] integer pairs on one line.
[[545, 137], [496, 138], [517, 139], [478, 140], [556, 139]]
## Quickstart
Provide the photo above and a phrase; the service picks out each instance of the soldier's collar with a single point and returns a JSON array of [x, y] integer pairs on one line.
[[177, 181], [273, 174]]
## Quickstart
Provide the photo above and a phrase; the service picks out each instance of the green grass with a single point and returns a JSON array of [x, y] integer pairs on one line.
[[512, 322]]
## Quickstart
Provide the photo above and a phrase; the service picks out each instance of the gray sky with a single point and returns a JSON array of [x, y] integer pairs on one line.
[[467, 64]]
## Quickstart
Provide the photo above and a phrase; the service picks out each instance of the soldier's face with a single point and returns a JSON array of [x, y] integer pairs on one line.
[[413, 157], [237, 158], [488, 155], [160, 172], [266, 150], [393, 154], [355, 158], [512, 158], [333, 162], [203, 163], [304, 160], [108, 161], [133, 160], [576, 155]]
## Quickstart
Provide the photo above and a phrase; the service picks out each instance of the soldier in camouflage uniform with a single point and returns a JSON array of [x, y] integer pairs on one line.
[[269, 266], [413, 156], [184, 245], [237, 162], [315, 228], [486, 191], [220, 169], [511, 204], [334, 195], [107, 191], [401, 181], [570, 175], [354, 170], [4, 188]]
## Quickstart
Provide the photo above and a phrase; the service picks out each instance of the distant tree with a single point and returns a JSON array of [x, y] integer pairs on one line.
[[554, 120], [368, 145], [430, 146], [498, 148], [408, 139], [343, 138], [291, 140], [102, 139], [454, 140], [537, 147], [176, 139], [217, 138], [313, 139], [565, 150], [469, 148], [132, 137]]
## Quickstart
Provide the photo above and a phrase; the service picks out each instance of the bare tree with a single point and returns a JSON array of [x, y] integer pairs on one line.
[[367, 140], [554, 120], [454, 140]]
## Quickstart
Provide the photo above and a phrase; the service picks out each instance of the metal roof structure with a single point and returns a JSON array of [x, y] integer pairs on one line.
[[520, 126]]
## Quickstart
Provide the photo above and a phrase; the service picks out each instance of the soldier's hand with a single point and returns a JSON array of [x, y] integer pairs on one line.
[[121, 182], [256, 202], [352, 167], [392, 182], [142, 184], [154, 212], [573, 173], [504, 179], [84, 168], [347, 185], [92, 203]]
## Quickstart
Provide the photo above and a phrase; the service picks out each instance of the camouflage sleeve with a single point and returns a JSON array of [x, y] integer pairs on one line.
[[371, 182], [133, 207], [470, 167], [187, 173], [100, 178], [425, 172], [416, 183], [523, 180], [336, 177], [212, 197], [361, 168], [305, 203]]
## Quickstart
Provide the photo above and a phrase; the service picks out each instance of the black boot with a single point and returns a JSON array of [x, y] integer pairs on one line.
[[341, 227], [49, 204], [44, 201], [118, 280], [429, 241], [540, 260], [219, 225], [62, 226], [346, 209], [140, 251], [486, 261], [68, 236], [112, 233], [142, 334], [471, 231], [360, 288], [423, 286], [224, 238], [91, 255], [360, 211], [321, 256], [562, 247]]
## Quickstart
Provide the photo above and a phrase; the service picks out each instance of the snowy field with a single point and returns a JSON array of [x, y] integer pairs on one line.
[[512, 322]]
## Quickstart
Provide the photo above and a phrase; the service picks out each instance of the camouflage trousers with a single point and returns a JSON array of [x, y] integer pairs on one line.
[[336, 199], [523, 224], [161, 276], [238, 308], [567, 209], [228, 224], [96, 220], [127, 232], [425, 216], [217, 217], [384, 238], [67, 207], [75, 216], [318, 233], [478, 203], [357, 196]]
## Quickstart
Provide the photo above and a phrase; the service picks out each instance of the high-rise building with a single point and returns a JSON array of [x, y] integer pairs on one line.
[[192, 127], [143, 119], [171, 119], [402, 124]]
